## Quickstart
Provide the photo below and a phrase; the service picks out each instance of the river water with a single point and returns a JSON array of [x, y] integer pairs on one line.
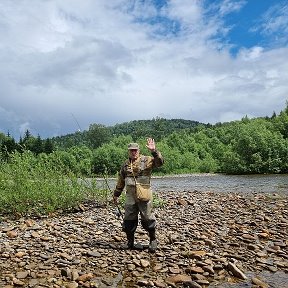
[[274, 183]]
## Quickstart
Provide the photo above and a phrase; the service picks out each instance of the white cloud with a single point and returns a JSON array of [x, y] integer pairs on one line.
[[98, 61], [274, 24], [228, 6], [276, 18], [250, 54]]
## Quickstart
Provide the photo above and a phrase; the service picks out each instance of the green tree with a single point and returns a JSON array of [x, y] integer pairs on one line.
[[37, 145], [2, 137], [65, 161], [8, 145], [83, 156], [108, 158], [257, 149], [281, 123], [97, 135], [48, 146]]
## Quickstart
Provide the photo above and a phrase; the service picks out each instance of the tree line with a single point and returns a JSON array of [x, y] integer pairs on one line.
[[247, 146]]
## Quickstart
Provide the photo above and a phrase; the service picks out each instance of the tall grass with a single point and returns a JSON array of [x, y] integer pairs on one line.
[[37, 186]]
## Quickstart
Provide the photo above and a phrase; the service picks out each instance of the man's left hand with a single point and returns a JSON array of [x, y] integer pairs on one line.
[[151, 144]]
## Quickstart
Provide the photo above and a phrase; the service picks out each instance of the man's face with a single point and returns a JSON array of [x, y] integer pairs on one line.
[[133, 153]]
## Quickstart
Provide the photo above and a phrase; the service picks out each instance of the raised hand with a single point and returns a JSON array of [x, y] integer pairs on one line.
[[151, 144]]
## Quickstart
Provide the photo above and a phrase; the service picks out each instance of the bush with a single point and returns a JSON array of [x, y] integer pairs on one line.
[[37, 185]]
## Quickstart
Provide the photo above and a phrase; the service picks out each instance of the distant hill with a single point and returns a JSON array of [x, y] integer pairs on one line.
[[156, 128]]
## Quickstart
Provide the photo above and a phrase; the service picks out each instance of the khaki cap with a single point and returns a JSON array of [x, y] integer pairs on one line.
[[133, 146]]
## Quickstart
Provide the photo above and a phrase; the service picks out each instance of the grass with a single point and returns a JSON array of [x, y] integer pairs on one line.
[[37, 186]]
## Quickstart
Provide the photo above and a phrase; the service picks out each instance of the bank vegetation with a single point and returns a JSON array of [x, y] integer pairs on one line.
[[44, 175]]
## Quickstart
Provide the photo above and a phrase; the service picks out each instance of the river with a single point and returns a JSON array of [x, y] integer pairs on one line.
[[268, 183], [272, 183]]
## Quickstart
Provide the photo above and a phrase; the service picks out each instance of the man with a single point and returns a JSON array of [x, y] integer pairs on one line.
[[138, 168]]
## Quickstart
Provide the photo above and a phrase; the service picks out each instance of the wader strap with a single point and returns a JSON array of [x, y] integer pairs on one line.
[[142, 167], [133, 173]]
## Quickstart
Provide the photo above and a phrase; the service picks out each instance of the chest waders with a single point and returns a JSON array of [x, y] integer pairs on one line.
[[133, 207]]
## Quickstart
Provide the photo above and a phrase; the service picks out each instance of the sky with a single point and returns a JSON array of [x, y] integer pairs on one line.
[[67, 64]]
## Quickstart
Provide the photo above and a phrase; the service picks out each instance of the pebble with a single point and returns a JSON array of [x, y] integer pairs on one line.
[[204, 238], [259, 283]]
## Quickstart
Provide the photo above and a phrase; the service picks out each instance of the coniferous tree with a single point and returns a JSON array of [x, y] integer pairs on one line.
[[8, 146], [48, 146], [37, 145]]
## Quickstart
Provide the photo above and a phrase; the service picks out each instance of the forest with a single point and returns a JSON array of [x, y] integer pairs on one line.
[[44, 176], [247, 146]]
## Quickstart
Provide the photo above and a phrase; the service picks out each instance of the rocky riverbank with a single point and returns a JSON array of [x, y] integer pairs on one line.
[[205, 240]]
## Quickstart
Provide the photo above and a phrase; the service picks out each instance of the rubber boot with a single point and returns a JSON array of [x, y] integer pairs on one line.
[[153, 242], [130, 241]]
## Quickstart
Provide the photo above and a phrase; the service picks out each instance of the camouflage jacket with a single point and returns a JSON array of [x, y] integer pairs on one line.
[[141, 169]]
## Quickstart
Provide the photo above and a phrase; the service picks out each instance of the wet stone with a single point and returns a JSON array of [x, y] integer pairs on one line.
[[203, 238]]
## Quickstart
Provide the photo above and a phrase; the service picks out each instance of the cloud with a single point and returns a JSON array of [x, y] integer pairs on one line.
[[113, 61], [230, 6], [274, 24]]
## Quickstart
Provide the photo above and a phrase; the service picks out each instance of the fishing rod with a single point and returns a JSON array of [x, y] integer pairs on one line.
[[79, 128], [118, 211]]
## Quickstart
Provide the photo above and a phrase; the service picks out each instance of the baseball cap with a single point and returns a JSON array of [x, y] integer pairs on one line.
[[133, 146]]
